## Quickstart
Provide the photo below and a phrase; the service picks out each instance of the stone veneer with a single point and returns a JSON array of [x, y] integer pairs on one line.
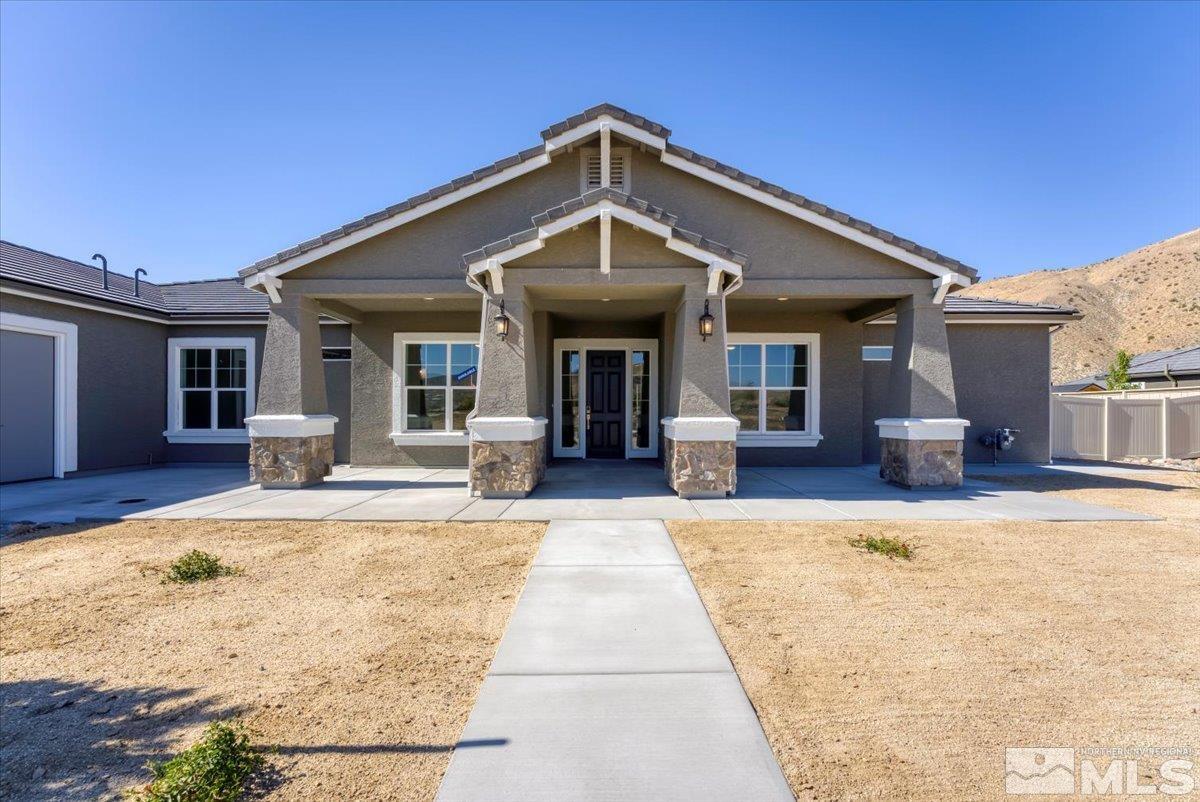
[[507, 468], [700, 468], [290, 461], [921, 463]]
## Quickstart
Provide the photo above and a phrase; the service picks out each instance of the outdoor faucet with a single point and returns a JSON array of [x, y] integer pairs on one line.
[[103, 267], [137, 285]]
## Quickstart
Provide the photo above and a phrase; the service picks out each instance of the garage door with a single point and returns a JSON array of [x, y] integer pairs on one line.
[[26, 406]]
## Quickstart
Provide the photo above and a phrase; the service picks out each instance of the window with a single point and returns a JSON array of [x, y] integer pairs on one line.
[[589, 169], [773, 387], [335, 354], [435, 387], [212, 389], [877, 353]]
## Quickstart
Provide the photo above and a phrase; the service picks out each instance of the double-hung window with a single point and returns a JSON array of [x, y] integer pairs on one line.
[[774, 388], [211, 389], [435, 380]]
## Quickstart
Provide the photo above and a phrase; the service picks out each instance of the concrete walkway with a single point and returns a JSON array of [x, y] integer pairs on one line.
[[601, 490], [611, 684]]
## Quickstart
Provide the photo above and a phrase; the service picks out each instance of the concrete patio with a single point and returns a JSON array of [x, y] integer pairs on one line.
[[609, 490]]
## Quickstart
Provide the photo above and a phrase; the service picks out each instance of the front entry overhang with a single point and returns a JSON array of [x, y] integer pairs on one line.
[[724, 264]]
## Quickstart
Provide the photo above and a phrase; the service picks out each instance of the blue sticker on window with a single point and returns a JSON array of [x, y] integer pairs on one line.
[[465, 373]]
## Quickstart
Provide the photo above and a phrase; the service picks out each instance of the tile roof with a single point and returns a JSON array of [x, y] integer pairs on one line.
[[217, 297], [616, 112], [966, 305], [1150, 365], [621, 199], [641, 122]]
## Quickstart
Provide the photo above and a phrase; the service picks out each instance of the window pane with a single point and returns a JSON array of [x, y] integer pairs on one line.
[[745, 365], [569, 428], [640, 387], [231, 367], [464, 402], [195, 366], [877, 353], [426, 410], [464, 364], [787, 366], [197, 409], [744, 404], [570, 363], [231, 409], [425, 364], [339, 354], [785, 411]]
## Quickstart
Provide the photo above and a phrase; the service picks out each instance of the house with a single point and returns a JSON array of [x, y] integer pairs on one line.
[[1155, 370], [605, 294]]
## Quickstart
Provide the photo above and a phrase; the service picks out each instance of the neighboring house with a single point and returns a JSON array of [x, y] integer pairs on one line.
[[609, 294], [93, 379], [1156, 370]]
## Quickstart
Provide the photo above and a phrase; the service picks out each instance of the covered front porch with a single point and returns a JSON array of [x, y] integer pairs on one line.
[[606, 333]]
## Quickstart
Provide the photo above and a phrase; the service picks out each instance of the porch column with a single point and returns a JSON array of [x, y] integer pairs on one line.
[[507, 430], [699, 433], [922, 443], [291, 436]]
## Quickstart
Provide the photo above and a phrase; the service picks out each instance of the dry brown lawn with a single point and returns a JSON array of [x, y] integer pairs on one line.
[[881, 679], [356, 649]]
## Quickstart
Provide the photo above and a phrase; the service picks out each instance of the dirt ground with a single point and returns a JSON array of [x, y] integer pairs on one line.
[[880, 679], [356, 649]]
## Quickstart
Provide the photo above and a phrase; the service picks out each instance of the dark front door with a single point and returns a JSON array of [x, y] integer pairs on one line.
[[606, 403]]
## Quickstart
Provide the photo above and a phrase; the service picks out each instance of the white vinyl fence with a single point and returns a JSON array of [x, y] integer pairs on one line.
[[1094, 426]]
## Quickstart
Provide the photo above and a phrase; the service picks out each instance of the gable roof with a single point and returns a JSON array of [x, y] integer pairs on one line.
[[654, 136], [643, 210], [227, 297]]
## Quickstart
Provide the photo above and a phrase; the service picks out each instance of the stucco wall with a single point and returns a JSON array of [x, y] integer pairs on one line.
[[779, 245], [841, 393], [121, 385], [1001, 378], [371, 387]]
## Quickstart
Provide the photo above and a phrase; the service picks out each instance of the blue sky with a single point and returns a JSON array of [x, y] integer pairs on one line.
[[192, 139]]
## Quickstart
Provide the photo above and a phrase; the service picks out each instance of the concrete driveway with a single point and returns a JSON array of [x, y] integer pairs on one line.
[[596, 490]]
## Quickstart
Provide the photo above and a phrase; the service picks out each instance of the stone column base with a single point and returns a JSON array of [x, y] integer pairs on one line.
[[290, 461], [701, 468], [921, 452], [507, 468], [507, 456], [921, 463]]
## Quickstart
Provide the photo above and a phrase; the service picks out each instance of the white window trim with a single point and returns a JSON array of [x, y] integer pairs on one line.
[[399, 435], [174, 432], [66, 383], [866, 358], [624, 154], [583, 345], [808, 438]]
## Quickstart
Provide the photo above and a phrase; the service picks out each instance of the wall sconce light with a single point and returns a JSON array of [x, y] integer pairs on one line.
[[706, 323], [501, 322]]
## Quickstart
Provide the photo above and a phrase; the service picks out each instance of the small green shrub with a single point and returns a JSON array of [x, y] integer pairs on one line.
[[214, 769], [197, 566], [890, 547]]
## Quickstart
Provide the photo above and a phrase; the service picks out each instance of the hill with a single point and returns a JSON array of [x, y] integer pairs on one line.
[[1146, 300]]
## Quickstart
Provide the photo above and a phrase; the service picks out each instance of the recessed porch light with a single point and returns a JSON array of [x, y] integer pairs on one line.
[[782, 298], [428, 299], [606, 300]]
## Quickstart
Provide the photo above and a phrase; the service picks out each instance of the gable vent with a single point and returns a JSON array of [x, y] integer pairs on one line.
[[618, 170]]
